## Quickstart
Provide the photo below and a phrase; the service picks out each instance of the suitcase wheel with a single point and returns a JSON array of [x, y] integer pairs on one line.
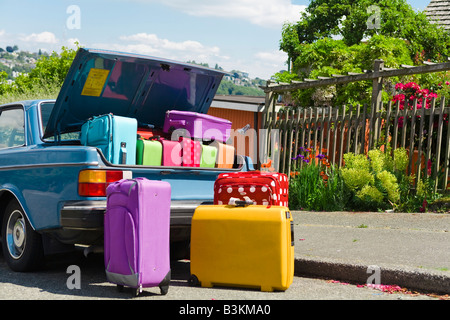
[[193, 280], [164, 290], [135, 291]]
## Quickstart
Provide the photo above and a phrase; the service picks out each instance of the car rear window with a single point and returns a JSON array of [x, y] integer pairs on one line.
[[12, 133], [46, 110]]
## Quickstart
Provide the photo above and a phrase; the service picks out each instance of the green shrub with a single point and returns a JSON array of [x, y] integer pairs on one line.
[[355, 179], [371, 181], [369, 198], [374, 182], [389, 183], [316, 186]]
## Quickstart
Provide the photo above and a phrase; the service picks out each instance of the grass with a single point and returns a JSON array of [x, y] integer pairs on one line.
[[36, 92]]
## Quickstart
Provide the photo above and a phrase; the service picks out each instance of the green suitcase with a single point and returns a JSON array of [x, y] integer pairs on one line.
[[209, 154], [148, 152]]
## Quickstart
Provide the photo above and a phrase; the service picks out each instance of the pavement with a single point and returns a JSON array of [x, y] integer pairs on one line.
[[410, 250]]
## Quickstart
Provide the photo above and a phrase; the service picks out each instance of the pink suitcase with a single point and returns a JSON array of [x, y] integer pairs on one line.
[[171, 155], [257, 187], [191, 152], [136, 234], [199, 125]]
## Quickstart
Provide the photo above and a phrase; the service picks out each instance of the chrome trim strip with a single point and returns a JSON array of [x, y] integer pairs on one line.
[[176, 206], [31, 166]]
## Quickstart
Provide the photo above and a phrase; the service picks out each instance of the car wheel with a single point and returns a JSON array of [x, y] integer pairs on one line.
[[22, 246]]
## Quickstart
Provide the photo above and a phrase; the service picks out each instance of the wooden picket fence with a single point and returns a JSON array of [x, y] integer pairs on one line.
[[425, 133], [336, 131]]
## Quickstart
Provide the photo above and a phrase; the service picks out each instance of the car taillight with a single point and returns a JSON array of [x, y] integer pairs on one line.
[[93, 183]]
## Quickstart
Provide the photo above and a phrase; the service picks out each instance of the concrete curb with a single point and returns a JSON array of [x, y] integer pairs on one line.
[[412, 279]]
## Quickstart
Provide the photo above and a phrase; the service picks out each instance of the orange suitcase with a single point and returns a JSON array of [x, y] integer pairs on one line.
[[225, 155]]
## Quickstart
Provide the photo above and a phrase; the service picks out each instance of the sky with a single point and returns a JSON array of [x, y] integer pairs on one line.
[[239, 35]]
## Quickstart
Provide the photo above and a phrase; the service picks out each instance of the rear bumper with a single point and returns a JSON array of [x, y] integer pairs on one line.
[[88, 215], [84, 215]]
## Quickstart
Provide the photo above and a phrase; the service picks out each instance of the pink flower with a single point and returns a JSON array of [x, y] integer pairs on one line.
[[385, 287], [411, 92], [447, 83], [424, 206], [399, 86], [399, 97], [411, 85]]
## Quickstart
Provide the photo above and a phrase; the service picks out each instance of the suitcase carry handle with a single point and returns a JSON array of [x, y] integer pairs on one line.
[[239, 203], [123, 151], [178, 122], [233, 201]]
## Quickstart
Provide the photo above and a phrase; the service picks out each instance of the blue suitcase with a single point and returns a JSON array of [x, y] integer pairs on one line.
[[114, 135]]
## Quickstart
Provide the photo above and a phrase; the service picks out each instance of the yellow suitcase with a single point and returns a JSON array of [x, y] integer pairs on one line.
[[242, 246]]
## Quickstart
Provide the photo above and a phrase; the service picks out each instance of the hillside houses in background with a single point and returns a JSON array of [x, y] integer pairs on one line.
[[17, 62]]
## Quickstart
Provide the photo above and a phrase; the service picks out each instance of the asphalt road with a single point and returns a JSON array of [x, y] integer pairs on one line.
[[55, 280]]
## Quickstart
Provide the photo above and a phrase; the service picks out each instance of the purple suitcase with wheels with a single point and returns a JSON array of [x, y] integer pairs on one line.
[[137, 223], [199, 125]]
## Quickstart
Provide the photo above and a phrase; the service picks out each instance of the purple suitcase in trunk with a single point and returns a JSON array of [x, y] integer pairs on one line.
[[199, 125], [137, 223]]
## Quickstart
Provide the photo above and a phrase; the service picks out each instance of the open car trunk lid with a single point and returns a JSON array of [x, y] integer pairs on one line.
[[129, 85]]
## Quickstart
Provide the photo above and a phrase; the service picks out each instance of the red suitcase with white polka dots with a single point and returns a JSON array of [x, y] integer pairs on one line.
[[191, 152], [257, 187]]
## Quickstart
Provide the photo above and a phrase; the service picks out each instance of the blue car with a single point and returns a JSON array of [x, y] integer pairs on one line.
[[44, 168]]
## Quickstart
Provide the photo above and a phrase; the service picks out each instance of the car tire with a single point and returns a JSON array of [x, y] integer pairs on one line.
[[22, 246]]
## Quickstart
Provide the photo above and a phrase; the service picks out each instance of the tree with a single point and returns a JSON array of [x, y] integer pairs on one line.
[[348, 19], [50, 71], [326, 57], [336, 37], [3, 85]]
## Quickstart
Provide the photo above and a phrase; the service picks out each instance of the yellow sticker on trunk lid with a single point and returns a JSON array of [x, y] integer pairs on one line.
[[95, 82]]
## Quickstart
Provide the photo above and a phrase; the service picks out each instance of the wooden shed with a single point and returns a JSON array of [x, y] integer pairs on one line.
[[241, 111]]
